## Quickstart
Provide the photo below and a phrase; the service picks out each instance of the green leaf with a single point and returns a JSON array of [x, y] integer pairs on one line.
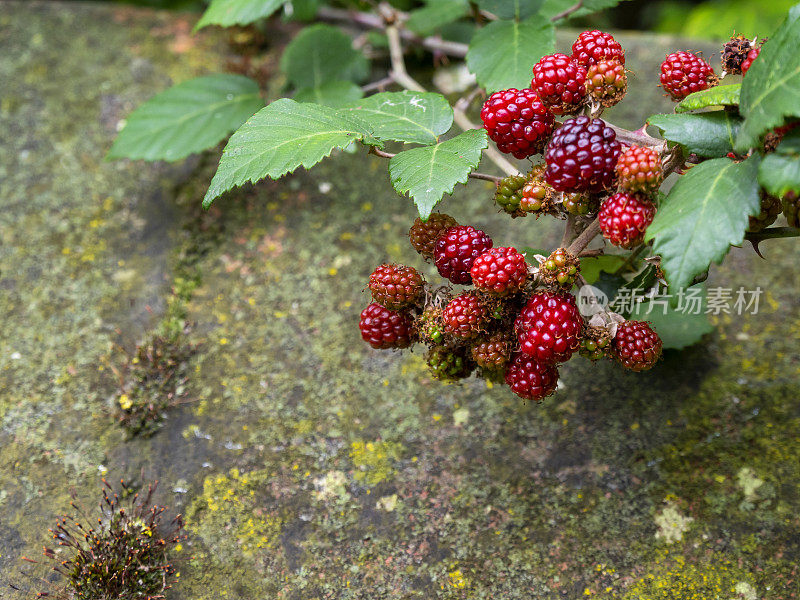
[[643, 281], [678, 324], [503, 53], [281, 137], [413, 117], [237, 12], [705, 212], [332, 93], [779, 173], [720, 95], [556, 7], [709, 135], [427, 173], [511, 9], [435, 14], [301, 10], [771, 89], [192, 116], [591, 267], [319, 54]]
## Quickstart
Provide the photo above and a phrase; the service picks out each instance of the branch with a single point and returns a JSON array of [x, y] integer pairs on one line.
[[565, 13], [773, 233], [398, 72], [585, 238], [592, 253], [638, 137]]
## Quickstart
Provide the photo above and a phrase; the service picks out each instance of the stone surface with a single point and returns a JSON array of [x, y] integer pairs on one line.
[[308, 465]]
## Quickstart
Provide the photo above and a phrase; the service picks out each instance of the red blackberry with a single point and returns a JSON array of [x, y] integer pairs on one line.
[[770, 209], [560, 269], [448, 364], [606, 82], [549, 327], [751, 56], [582, 155], [560, 82], [383, 328], [456, 250], [509, 193], [791, 209], [639, 170], [593, 46], [517, 121], [636, 345], [492, 353], [683, 73], [500, 271], [423, 234], [396, 286], [465, 316], [624, 218], [530, 379]]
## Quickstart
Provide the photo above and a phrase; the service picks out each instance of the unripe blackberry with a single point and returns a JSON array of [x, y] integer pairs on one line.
[[549, 327], [448, 364], [580, 203], [456, 249], [531, 379], [396, 286], [791, 209], [595, 343], [465, 316], [683, 73], [606, 82], [734, 54], [593, 46], [509, 193], [639, 170], [537, 194], [423, 234], [636, 345], [560, 269], [624, 218], [581, 156], [430, 326], [500, 271], [770, 209], [517, 121], [560, 82], [493, 353], [748, 61], [382, 328]]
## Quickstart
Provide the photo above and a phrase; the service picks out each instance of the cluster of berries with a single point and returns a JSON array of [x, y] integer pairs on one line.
[[515, 325], [587, 171]]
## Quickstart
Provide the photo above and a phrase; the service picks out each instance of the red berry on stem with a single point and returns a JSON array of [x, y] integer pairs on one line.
[[517, 121], [683, 73], [582, 155], [560, 82], [500, 271], [549, 327], [423, 234], [465, 316], [606, 81], [396, 286], [383, 328], [639, 170], [593, 46], [531, 379], [624, 218], [456, 250], [636, 345]]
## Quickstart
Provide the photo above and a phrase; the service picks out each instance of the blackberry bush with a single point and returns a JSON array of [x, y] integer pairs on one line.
[[729, 150]]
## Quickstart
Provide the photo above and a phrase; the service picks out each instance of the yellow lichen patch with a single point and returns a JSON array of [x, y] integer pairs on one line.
[[373, 460], [457, 579], [674, 577], [229, 502]]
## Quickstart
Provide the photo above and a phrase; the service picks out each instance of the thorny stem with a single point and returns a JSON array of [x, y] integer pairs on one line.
[[567, 12], [585, 237], [772, 233]]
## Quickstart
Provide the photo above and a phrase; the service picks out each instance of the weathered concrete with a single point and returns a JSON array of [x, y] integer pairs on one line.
[[310, 466]]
